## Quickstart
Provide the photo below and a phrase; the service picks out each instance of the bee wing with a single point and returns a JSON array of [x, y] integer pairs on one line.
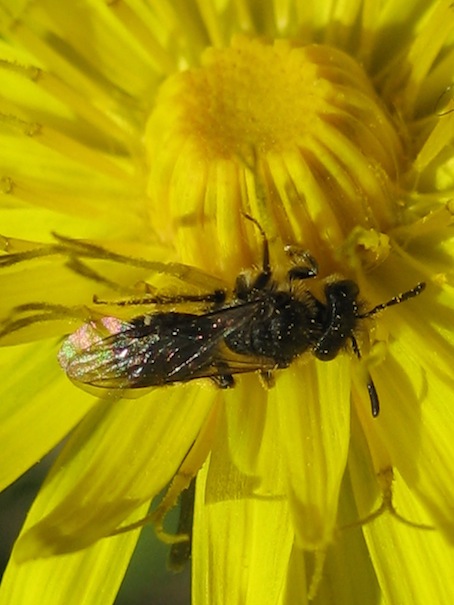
[[92, 352], [158, 349]]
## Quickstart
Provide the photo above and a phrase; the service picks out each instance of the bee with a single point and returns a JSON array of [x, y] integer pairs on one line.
[[263, 327]]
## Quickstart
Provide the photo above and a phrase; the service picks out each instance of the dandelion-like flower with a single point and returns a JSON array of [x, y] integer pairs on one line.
[[136, 136]]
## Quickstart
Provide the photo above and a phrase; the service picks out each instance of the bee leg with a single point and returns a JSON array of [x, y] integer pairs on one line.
[[305, 265], [242, 287], [223, 381], [267, 379], [217, 298]]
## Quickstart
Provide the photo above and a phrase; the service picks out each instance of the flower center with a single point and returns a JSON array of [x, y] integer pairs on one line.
[[306, 119]]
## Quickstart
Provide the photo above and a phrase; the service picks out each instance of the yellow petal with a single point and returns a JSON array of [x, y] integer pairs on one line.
[[242, 540], [341, 575], [250, 420], [417, 429], [30, 423], [92, 576], [121, 455], [313, 429], [413, 565]]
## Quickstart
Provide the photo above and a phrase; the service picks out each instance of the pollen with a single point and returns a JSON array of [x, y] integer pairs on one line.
[[306, 117], [274, 97]]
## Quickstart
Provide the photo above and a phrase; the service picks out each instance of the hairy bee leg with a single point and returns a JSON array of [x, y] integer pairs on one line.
[[305, 264], [216, 298], [242, 287], [223, 381], [301, 273], [267, 379]]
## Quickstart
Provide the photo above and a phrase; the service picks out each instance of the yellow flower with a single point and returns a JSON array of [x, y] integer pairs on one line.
[[135, 137]]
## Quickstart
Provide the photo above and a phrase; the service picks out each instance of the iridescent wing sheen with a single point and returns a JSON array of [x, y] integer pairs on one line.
[[159, 349]]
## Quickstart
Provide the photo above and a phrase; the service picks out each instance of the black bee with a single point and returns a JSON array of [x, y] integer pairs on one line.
[[264, 327]]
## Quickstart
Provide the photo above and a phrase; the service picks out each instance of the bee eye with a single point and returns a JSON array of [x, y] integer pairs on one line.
[[345, 288]]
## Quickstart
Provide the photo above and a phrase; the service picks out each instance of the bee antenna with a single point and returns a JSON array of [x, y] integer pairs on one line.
[[256, 223], [396, 300], [373, 395]]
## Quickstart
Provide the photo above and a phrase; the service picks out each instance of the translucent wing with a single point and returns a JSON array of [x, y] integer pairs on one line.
[[163, 348]]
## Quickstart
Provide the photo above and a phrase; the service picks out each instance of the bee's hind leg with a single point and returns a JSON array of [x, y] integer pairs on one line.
[[223, 379], [267, 379]]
